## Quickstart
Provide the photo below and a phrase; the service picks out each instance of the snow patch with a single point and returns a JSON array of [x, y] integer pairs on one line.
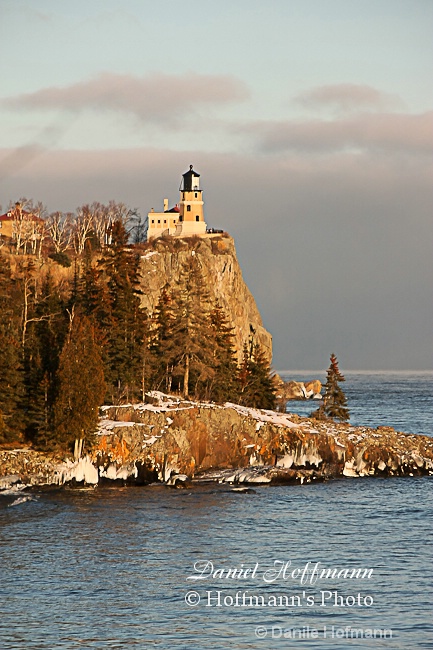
[[149, 254], [262, 415]]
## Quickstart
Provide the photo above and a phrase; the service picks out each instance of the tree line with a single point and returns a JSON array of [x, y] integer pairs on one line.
[[66, 347], [36, 231]]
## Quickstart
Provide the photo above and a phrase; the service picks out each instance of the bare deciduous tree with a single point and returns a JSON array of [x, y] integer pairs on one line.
[[114, 212], [59, 229], [82, 228], [28, 227]]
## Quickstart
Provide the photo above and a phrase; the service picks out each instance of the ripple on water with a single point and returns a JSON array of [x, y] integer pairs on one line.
[[108, 569]]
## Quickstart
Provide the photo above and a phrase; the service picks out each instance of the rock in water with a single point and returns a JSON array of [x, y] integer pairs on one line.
[[314, 386], [294, 390]]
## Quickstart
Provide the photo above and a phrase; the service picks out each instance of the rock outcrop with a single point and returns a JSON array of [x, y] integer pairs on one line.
[[173, 440], [174, 436], [299, 390], [313, 387], [162, 264]]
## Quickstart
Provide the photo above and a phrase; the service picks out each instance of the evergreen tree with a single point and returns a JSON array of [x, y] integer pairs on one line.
[[93, 300], [11, 384], [255, 379], [334, 400], [46, 331], [11, 368], [189, 349], [223, 387], [127, 334], [160, 340], [80, 386]]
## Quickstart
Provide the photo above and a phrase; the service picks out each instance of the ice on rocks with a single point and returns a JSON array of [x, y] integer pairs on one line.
[[81, 470], [349, 469]]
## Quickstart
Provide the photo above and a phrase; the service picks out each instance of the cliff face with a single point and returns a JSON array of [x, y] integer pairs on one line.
[[171, 439], [217, 256]]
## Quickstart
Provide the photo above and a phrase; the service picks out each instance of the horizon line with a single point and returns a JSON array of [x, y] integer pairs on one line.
[[358, 371]]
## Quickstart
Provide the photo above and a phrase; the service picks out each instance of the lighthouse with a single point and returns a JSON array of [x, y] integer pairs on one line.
[[186, 218]]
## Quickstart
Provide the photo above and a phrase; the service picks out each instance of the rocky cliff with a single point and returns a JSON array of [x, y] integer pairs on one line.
[[175, 437], [173, 440], [162, 264]]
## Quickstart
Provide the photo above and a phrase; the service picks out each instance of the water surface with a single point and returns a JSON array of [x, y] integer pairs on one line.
[[108, 568]]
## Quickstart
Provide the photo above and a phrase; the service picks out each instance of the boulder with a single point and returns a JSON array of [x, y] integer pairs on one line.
[[314, 386], [294, 390]]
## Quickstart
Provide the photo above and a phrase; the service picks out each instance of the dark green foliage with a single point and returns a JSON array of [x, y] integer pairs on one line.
[[94, 301], [223, 387], [188, 351], [46, 332], [80, 385], [255, 379], [159, 341], [62, 346], [192, 348], [127, 332], [39, 398], [11, 384], [334, 400], [61, 258], [11, 368]]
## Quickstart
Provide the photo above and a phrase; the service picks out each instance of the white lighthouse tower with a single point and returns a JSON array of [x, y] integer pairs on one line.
[[191, 217], [184, 219]]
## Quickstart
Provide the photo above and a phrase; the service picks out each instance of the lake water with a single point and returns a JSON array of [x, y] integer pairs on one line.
[[402, 400], [109, 568]]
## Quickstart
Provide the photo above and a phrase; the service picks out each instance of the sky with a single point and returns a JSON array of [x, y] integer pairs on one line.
[[310, 122]]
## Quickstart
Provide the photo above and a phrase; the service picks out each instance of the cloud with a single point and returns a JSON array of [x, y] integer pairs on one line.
[[159, 98], [347, 97], [336, 250], [386, 132]]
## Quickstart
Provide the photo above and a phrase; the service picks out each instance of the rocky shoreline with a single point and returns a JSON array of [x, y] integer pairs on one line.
[[175, 441]]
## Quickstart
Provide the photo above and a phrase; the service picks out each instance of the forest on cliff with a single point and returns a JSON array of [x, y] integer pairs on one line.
[[70, 344]]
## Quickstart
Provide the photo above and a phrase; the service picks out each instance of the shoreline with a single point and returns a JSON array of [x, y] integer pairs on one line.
[[177, 441]]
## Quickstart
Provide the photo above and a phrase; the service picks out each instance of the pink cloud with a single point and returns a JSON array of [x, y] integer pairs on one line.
[[158, 98], [387, 132], [348, 97]]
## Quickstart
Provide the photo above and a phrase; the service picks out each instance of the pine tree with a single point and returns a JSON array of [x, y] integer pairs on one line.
[[127, 335], [46, 331], [93, 300], [11, 384], [81, 386], [189, 350], [255, 379], [223, 387], [11, 367], [334, 400], [160, 339]]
